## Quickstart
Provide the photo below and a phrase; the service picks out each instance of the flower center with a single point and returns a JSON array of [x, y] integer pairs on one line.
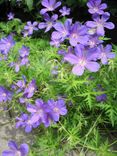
[[103, 55], [32, 89], [95, 9], [50, 8], [40, 112], [74, 36], [29, 122], [31, 28], [8, 44], [49, 24], [82, 62], [4, 94], [18, 153], [91, 43], [56, 110]]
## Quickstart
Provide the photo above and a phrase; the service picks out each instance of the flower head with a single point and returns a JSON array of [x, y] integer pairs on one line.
[[38, 111], [100, 23], [104, 53], [49, 22], [10, 16], [30, 89], [5, 95], [50, 5], [95, 7], [62, 30], [94, 41], [102, 97], [14, 150], [64, 11], [22, 60], [24, 51], [30, 27], [57, 108], [83, 59], [78, 34], [26, 122], [6, 44]]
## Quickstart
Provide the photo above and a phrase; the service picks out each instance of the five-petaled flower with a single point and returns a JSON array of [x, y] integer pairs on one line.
[[57, 108], [83, 59], [100, 23], [30, 27], [5, 95], [104, 53], [50, 5], [78, 34], [14, 150], [10, 16], [49, 22], [95, 7], [6, 44], [64, 11]]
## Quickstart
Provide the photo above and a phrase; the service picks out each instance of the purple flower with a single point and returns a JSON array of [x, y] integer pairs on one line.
[[14, 150], [101, 98], [50, 21], [83, 58], [10, 16], [55, 42], [5, 95], [30, 89], [21, 84], [6, 44], [100, 23], [30, 27], [94, 41], [21, 120], [64, 11], [24, 51], [19, 63], [95, 7], [25, 33], [25, 122], [39, 111], [22, 60], [50, 5], [57, 108], [78, 34], [62, 30], [105, 53]]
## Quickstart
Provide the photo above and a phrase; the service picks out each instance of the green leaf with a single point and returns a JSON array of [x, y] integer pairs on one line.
[[29, 3]]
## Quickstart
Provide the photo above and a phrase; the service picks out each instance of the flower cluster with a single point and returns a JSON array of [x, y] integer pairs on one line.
[[23, 58], [25, 89], [14, 150], [42, 112], [86, 47]]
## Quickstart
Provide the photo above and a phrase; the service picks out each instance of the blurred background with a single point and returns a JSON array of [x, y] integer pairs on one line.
[[29, 10]]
